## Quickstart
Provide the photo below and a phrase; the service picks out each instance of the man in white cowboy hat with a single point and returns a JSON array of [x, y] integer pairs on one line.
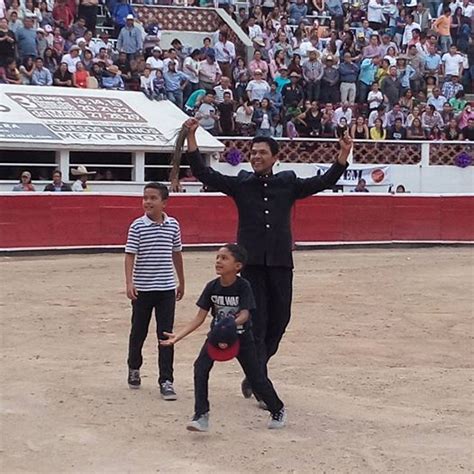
[[81, 182], [130, 39]]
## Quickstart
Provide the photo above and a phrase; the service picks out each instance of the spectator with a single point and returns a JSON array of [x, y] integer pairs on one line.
[[120, 14], [191, 71], [243, 118], [103, 43], [112, 79], [378, 132], [225, 53], [130, 39], [175, 83], [207, 48], [375, 97], [368, 68], [422, 16], [437, 100], [432, 62], [361, 186], [398, 131], [312, 74], [373, 49], [79, 28], [7, 42], [344, 111], [442, 26], [452, 87], [375, 114], [452, 63], [62, 14], [221, 89], [50, 62], [360, 131], [72, 58], [466, 115], [254, 30], [57, 185], [26, 39], [348, 71], [452, 131], [258, 87], [80, 77], [275, 97], [88, 10], [209, 72], [311, 121], [207, 112], [391, 87], [375, 15], [431, 118], [264, 118], [12, 74], [415, 130], [393, 114], [62, 77], [409, 28], [82, 174], [334, 8], [226, 115], [297, 12], [14, 24], [330, 80], [468, 130], [458, 103], [25, 183], [154, 61], [41, 76], [258, 63]]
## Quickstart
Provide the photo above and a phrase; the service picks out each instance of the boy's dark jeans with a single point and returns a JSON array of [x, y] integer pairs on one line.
[[248, 360], [164, 303]]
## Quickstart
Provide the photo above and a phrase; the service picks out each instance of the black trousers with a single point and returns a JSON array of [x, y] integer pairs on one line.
[[273, 292], [163, 302], [248, 360]]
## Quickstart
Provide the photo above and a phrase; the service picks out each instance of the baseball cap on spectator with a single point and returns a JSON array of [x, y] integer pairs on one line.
[[223, 342], [156, 49], [27, 174], [130, 17], [329, 58]]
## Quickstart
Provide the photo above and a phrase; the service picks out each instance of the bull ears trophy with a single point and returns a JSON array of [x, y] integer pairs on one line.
[[180, 138]]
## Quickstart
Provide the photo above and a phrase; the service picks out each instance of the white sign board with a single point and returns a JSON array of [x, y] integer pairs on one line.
[[82, 118]]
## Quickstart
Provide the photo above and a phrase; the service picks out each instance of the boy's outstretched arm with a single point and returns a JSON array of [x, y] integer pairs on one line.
[[173, 338]]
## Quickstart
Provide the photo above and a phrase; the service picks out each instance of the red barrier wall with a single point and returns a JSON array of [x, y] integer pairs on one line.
[[63, 220]]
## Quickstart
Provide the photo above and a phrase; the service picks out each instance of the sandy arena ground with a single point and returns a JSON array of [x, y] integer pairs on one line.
[[375, 369]]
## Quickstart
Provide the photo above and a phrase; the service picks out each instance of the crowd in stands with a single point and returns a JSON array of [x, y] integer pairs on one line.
[[382, 69]]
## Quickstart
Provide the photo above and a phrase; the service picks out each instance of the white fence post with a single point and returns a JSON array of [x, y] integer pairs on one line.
[[62, 160], [138, 172]]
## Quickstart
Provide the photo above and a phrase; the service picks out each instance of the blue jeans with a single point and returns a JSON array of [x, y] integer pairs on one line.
[[444, 43], [176, 97]]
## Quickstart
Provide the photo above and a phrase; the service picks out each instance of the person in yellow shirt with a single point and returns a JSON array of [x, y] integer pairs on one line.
[[377, 132], [442, 26]]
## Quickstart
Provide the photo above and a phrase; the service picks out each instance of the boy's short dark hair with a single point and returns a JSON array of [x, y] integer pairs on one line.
[[161, 188], [271, 142], [238, 252]]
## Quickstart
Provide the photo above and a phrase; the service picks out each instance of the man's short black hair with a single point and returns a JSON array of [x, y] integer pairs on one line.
[[57, 172], [161, 188], [271, 142], [238, 252]]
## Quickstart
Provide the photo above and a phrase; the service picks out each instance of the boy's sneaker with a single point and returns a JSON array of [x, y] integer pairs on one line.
[[277, 420], [199, 423], [246, 388], [134, 380], [167, 391]]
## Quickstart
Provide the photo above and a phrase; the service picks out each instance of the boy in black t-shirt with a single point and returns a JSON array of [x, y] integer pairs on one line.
[[230, 300]]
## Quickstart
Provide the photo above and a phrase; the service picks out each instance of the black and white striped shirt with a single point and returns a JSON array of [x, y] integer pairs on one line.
[[154, 244]]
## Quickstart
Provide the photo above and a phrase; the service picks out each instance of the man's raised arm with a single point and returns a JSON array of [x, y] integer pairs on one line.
[[308, 186], [205, 174]]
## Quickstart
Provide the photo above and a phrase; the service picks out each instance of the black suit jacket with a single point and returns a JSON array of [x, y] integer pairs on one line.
[[264, 204]]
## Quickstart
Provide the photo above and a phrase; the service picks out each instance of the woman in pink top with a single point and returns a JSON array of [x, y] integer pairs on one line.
[[79, 78]]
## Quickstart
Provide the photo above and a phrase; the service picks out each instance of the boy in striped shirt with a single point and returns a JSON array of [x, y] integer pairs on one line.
[[153, 248]]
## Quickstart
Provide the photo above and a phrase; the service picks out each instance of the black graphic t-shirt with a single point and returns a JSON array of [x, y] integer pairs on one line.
[[227, 301]]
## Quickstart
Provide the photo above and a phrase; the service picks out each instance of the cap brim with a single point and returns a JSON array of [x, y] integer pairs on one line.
[[223, 355]]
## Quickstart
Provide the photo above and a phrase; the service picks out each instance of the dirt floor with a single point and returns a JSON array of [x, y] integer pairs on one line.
[[375, 369]]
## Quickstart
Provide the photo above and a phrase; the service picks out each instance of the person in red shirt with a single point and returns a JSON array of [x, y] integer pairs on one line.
[[62, 14]]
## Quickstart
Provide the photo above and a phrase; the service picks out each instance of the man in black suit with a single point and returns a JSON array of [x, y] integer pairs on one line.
[[264, 201]]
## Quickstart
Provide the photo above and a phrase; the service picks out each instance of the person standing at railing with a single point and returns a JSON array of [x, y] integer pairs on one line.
[[130, 39], [225, 53], [264, 201]]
